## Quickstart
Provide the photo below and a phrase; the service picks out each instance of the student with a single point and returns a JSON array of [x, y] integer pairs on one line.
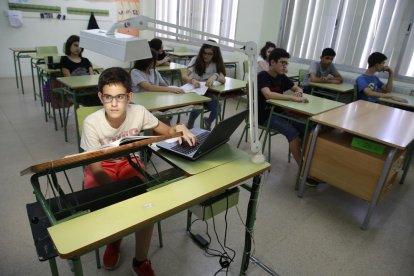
[[146, 78], [207, 66], [73, 64], [271, 85], [162, 58], [119, 118], [263, 58], [370, 87], [323, 71]]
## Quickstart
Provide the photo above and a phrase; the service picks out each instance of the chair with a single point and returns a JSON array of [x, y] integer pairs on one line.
[[302, 75], [245, 72]]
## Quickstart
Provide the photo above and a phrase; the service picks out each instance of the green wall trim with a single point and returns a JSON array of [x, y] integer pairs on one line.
[[87, 11], [34, 8]]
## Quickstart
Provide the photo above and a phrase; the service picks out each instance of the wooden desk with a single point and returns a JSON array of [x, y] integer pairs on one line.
[[174, 69], [73, 86], [179, 56], [316, 105], [227, 90], [355, 171], [407, 106], [334, 91], [69, 236], [19, 53]]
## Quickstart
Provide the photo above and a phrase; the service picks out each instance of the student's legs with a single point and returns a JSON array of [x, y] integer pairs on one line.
[[292, 134], [142, 243]]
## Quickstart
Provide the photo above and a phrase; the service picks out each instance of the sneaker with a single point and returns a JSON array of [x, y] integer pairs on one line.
[[207, 124], [144, 269], [112, 255], [311, 182]]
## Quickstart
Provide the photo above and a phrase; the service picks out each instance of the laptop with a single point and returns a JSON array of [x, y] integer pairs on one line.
[[207, 140]]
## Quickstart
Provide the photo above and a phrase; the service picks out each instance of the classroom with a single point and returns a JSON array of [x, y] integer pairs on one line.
[[333, 199]]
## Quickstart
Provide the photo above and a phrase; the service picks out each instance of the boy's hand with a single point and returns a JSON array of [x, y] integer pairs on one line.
[[388, 69], [300, 99], [398, 99], [188, 136]]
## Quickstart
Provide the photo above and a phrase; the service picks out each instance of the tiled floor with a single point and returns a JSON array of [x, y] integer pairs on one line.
[[316, 235]]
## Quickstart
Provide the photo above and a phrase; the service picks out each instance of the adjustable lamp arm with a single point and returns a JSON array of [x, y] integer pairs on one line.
[[185, 36]]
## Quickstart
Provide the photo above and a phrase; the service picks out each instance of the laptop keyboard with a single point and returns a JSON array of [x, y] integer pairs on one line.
[[185, 148]]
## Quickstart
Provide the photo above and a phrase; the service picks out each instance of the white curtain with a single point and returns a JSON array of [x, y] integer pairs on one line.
[[354, 28]]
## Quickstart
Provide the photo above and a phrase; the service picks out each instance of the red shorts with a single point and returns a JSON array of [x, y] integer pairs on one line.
[[117, 170]]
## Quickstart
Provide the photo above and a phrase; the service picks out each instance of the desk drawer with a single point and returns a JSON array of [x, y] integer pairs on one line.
[[349, 169]]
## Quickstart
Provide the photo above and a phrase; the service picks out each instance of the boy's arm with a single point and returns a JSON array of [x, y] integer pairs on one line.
[[164, 129], [388, 86], [268, 94]]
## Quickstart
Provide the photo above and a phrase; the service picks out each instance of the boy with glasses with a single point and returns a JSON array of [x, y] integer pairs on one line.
[[118, 119], [272, 84], [370, 87]]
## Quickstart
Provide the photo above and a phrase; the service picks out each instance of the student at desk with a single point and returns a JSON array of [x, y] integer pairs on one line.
[[120, 119], [263, 57], [162, 58], [146, 78], [207, 66], [73, 64], [323, 71], [271, 85], [370, 87]]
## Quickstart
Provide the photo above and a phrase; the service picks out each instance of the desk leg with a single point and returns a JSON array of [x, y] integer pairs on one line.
[[53, 267], [380, 185], [407, 162], [20, 72], [308, 160], [302, 152], [15, 68], [33, 80], [77, 266], [250, 219]]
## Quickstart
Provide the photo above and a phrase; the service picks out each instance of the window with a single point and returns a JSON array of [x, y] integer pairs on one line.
[[354, 28], [217, 17]]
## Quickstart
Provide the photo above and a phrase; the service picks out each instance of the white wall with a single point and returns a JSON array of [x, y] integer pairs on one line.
[[255, 23]]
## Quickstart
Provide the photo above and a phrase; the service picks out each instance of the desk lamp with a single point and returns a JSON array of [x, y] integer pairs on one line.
[[129, 48]]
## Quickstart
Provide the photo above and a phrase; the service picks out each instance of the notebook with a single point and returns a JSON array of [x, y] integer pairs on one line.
[[207, 140]]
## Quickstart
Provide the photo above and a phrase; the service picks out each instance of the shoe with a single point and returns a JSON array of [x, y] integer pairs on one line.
[[311, 182], [112, 255], [144, 269], [207, 124]]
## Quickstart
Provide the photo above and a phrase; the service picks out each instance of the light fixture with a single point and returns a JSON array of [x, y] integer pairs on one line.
[[129, 48]]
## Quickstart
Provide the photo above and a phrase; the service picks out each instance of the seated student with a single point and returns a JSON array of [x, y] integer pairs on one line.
[[370, 87], [73, 64], [263, 57], [146, 78], [271, 85], [118, 118], [207, 66], [323, 71], [162, 58]]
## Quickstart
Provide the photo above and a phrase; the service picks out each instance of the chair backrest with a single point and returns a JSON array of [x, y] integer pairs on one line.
[[245, 68], [82, 113], [47, 51], [355, 94], [302, 75]]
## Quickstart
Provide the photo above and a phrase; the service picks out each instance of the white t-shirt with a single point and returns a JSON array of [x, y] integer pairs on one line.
[[210, 70], [97, 131], [138, 76], [260, 58]]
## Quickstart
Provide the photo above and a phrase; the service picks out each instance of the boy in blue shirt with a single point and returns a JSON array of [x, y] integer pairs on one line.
[[370, 87]]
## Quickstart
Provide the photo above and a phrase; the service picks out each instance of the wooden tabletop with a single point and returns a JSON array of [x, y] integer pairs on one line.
[[409, 98], [387, 125], [23, 50], [223, 154], [344, 87], [155, 101], [182, 54], [84, 233], [79, 82], [172, 67], [229, 86], [36, 56], [316, 105]]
